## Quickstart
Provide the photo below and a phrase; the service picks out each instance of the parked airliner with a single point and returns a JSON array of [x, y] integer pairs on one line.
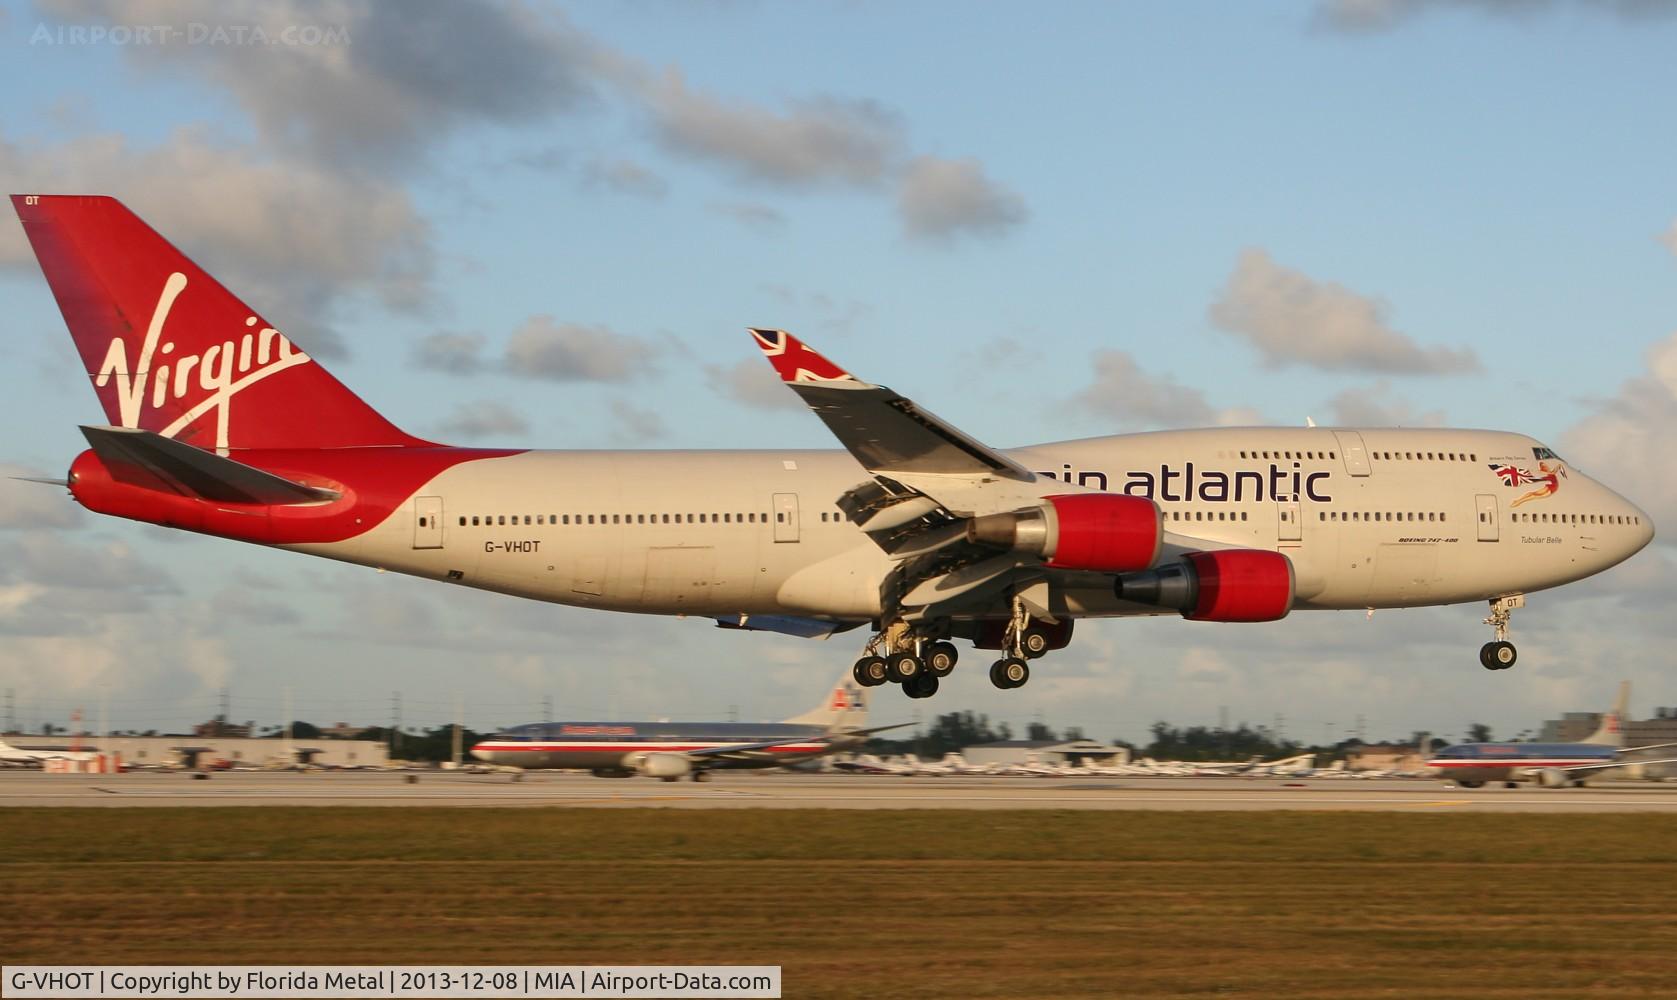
[[671, 750], [219, 424], [1550, 765]]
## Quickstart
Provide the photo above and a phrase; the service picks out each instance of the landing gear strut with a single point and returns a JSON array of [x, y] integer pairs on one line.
[[1023, 639], [898, 655], [1501, 654]]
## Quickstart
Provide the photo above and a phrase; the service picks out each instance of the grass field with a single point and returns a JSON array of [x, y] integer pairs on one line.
[[875, 904]]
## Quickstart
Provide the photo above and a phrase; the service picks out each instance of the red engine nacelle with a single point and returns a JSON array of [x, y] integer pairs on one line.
[[1103, 532], [1226, 585]]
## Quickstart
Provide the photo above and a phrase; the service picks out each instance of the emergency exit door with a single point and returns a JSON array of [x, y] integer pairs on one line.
[[427, 522], [785, 517], [1486, 502]]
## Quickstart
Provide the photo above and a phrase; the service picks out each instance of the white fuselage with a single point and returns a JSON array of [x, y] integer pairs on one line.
[[1370, 518]]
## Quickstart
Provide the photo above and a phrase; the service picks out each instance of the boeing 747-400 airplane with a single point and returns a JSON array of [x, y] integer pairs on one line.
[[219, 424]]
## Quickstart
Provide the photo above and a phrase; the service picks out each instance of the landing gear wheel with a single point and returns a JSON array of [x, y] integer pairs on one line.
[[1498, 655], [1033, 642], [922, 685], [1470, 784], [870, 671], [904, 666], [1009, 673], [701, 775], [940, 658]]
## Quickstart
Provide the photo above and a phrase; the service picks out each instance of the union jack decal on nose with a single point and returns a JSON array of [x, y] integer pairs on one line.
[[1512, 475]]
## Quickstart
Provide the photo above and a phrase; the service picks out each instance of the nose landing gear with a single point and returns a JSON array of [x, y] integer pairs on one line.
[[1500, 654]]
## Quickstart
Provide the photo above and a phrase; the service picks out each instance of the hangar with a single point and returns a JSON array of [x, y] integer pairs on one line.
[[1065, 752]]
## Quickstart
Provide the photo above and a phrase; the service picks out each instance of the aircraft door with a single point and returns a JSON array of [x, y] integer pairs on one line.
[[1290, 528], [1351, 449], [427, 522], [1486, 503], [785, 517]]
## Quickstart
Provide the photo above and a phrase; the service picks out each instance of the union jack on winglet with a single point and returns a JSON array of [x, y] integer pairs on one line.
[[795, 361]]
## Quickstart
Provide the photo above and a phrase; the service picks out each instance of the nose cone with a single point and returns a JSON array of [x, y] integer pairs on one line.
[[479, 751]]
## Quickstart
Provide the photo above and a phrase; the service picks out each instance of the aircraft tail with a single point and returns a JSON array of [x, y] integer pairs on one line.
[[845, 707], [1611, 732], [171, 351]]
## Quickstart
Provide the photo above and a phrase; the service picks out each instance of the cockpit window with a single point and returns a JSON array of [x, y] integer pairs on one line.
[[1540, 453]]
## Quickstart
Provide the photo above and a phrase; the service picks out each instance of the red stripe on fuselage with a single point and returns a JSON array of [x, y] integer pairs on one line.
[[637, 747]]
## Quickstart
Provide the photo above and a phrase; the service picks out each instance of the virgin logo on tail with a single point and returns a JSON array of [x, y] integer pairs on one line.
[[223, 370]]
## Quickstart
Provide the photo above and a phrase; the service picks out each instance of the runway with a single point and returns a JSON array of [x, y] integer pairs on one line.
[[779, 790]]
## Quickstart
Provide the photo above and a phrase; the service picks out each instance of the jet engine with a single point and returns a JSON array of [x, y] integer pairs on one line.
[[1553, 777], [668, 766], [1103, 532], [1228, 585]]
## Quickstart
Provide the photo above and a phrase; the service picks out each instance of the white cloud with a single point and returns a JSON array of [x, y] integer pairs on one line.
[[1379, 406], [571, 352], [1621, 444], [1382, 15], [293, 240], [399, 80], [451, 353], [485, 418], [752, 382], [625, 177], [814, 141], [1291, 318], [633, 425], [940, 199], [1669, 237], [1136, 399]]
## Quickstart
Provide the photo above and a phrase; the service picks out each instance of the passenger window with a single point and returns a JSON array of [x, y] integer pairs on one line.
[[780, 516], [462, 522], [474, 522]]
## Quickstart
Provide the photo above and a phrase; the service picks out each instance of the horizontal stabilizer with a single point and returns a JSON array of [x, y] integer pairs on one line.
[[154, 462]]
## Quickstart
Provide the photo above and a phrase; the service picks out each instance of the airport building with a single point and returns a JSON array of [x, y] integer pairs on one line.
[[208, 751], [1065, 752]]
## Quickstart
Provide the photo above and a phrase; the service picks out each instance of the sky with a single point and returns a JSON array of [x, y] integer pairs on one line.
[[550, 225]]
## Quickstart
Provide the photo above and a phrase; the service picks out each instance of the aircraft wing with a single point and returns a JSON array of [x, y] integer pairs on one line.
[[868, 732], [928, 479], [1617, 763], [743, 751], [1654, 746], [888, 434]]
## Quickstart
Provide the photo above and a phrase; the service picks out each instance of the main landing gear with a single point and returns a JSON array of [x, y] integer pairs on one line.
[[912, 661], [1024, 639], [1501, 654]]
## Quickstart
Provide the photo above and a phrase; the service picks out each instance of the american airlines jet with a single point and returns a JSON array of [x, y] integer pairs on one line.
[[670, 750], [219, 424]]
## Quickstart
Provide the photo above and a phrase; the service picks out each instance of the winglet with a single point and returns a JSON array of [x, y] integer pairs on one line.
[[795, 361]]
